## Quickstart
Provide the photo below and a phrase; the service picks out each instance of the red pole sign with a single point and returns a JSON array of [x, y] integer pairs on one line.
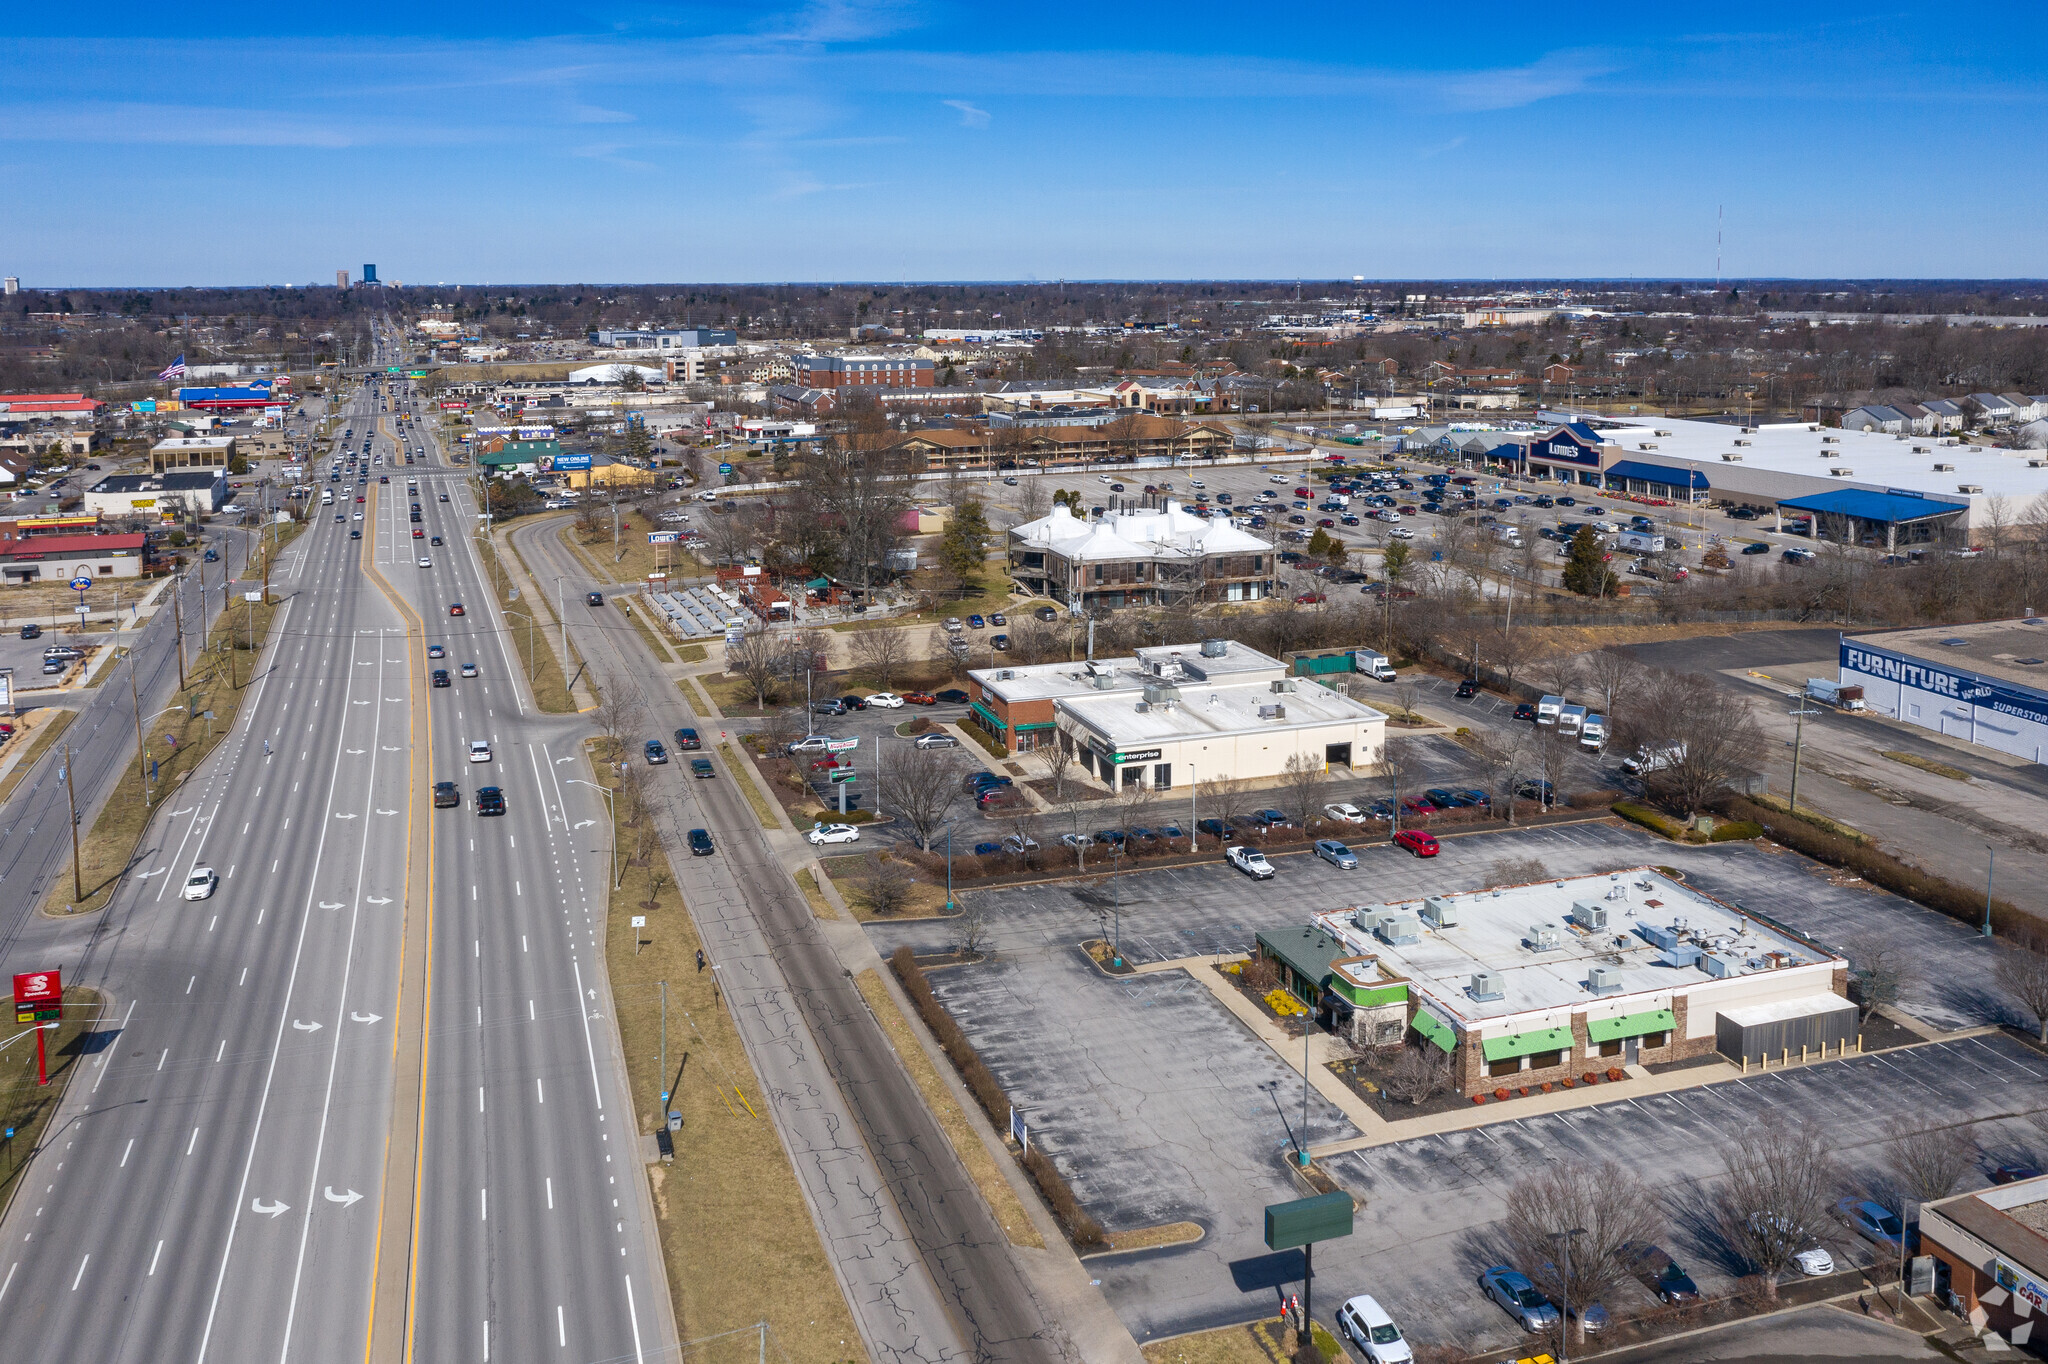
[[39, 999]]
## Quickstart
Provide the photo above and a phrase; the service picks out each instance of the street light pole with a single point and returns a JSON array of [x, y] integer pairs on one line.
[[1564, 1325], [1989, 873]]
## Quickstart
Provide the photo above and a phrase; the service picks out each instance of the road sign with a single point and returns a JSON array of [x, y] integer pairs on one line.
[[846, 745], [840, 774], [639, 921], [725, 468], [82, 609], [81, 584], [252, 596]]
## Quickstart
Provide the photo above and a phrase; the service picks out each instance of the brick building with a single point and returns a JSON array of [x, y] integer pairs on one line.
[[863, 371]]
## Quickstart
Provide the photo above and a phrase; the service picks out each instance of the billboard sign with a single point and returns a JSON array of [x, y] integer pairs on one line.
[[1305, 1220], [38, 996], [563, 463], [1963, 688], [842, 745], [662, 537]]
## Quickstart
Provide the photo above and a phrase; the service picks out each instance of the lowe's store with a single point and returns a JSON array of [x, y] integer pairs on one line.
[[1986, 682]]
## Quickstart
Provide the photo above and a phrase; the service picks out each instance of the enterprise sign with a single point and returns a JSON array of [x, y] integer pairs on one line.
[[1143, 755], [1967, 688]]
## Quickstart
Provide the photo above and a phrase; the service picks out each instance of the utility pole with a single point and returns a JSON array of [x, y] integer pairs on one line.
[[564, 619], [71, 799], [178, 617], [1799, 715], [141, 756]]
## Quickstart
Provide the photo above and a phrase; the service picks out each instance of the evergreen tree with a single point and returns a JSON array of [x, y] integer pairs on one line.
[[1586, 571], [965, 543]]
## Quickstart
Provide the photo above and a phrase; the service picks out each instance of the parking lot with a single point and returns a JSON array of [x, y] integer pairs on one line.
[[1160, 1106]]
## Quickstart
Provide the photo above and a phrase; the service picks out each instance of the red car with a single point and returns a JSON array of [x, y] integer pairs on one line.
[[920, 698], [1310, 599], [418, 534], [359, 501], [827, 764], [1326, 523], [1417, 842], [1301, 492], [456, 610]]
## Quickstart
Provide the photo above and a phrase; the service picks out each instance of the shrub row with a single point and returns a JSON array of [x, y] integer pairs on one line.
[[1081, 1229], [1880, 868], [1635, 812]]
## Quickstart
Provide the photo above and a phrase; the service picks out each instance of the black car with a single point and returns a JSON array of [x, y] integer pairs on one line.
[[440, 677], [953, 696], [446, 796], [1525, 711], [212, 556], [700, 843], [593, 599], [1468, 689], [1658, 1272], [355, 535], [490, 800], [852, 702], [31, 631], [687, 739], [1756, 547]]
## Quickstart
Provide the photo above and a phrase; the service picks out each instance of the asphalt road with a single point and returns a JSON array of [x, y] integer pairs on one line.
[[926, 1269], [218, 1167]]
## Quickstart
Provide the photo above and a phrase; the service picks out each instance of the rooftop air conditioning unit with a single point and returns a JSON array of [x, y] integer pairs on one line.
[[1841, 473], [1647, 445], [1005, 674], [1660, 935], [1589, 916], [1969, 487], [1488, 985], [1830, 440], [1283, 684], [1103, 681], [1603, 979], [1215, 648], [1745, 442], [1921, 450], [1944, 468], [1368, 920], [1732, 459], [1440, 912], [1720, 967], [1544, 937], [1272, 712], [1749, 430], [1397, 929], [2037, 464], [1660, 433], [1161, 695]]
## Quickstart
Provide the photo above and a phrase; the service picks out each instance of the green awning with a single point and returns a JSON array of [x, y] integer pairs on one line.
[[1526, 1043], [1041, 724], [1435, 1029], [994, 721], [1630, 1025]]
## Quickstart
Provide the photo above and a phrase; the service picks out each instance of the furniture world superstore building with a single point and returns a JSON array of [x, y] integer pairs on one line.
[[1985, 682]]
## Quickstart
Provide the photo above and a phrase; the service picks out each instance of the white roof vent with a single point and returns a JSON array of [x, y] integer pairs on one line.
[[1830, 440], [1647, 445], [1920, 450], [1944, 468], [1745, 442], [1841, 473], [1661, 433], [1969, 487], [1732, 459]]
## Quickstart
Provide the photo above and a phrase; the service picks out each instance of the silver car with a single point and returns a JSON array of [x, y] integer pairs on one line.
[[1336, 854]]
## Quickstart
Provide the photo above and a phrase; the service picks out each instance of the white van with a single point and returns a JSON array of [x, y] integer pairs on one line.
[[1547, 709]]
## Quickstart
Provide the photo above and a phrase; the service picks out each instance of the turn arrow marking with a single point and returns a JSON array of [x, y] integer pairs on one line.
[[376, 900], [342, 1198], [585, 823], [349, 815], [365, 1018], [391, 748], [144, 876], [305, 1027], [387, 812], [358, 752], [186, 811], [560, 761], [271, 1210], [327, 904]]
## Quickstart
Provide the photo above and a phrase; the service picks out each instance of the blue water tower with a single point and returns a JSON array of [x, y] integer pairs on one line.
[[369, 274]]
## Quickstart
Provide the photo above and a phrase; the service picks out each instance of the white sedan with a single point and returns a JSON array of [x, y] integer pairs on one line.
[[821, 834], [1402, 533], [1350, 814], [201, 883], [887, 700], [426, 562]]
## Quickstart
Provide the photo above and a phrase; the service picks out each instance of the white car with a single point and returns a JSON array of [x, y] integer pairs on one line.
[[426, 562], [832, 833], [479, 751], [359, 516], [200, 884], [1350, 814], [1814, 1262], [1401, 533], [1250, 861], [887, 700], [1366, 1324], [812, 743]]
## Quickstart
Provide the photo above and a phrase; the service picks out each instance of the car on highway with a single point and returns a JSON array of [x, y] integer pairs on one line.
[[446, 795], [355, 535], [490, 800], [1250, 861], [426, 562], [1512, 1290], [656, 754], [935, 741], [359, 516], [1336, 854], [1417, 842], [593, 599], [201, 884], [456, 609], [700, 843], [440, 677], [701, 767], [468, 670], [444, 497], [1345, 813], [479, 751], [1363, 1322], [822, 834], [687, 739], [417, 533]]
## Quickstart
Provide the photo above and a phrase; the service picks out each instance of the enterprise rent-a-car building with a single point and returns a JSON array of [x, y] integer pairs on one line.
[[1986, 682]]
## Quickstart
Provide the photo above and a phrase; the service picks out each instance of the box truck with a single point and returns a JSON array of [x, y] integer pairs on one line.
[[1593, 734], [1547, 709], [1373, 664], [1653, 758], [1570, 720], [1835, 693], [1639, 542]]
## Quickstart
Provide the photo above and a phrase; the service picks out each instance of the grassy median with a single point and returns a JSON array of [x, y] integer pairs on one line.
[[25, 1106], [44, 727], [736, 1234], [528, 621]]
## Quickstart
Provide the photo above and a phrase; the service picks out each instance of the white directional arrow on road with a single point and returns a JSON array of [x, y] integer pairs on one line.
[[342, 1198], [186, 811], [394, 698], [585, 823], [376, 900], [349, 814], [387, 812], [305, 1027], [358, 752], [144, 876], [328, 904], [359, 703], [272, 1210], [365, 1018], [560, 761], [391, 748]]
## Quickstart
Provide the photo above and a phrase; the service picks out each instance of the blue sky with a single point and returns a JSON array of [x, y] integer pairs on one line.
[[243, 143]]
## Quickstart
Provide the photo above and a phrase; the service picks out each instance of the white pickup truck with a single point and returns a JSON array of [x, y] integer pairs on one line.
[[1250, 861]]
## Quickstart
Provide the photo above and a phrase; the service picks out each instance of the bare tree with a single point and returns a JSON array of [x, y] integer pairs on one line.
[[1226, 798], [618, 713], [1304, 782], [782, 728], [1571, 1226], [1418, 1074], [757, 658], [973, 928], [1059, 765], [1710, 735], [922, 785], [1778, 1198], [1557, 673], [1615, 676], [881, 884], [1881, 968], [2022, 972], [882, 650], [1132, 805], [1928, 1158]]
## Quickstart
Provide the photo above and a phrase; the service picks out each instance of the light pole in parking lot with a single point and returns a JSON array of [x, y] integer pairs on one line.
[[1989, 872], [611, 808], [1564, 1326]]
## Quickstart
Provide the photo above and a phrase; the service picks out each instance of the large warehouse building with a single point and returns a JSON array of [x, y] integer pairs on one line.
[[1178, 713], [1986, 682]]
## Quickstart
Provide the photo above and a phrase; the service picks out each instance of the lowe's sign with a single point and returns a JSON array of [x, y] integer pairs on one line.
[[1965, 688]]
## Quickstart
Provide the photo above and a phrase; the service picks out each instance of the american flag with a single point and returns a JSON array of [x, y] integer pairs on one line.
[[174, 370]]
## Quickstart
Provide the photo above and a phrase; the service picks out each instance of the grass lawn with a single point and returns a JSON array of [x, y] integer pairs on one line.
[[527, 620], [1260, 1342], [927, 898], [178, 742], [691, 653], [734, 695], [992, 593], [736, 1235], [26, 1106], [640, 558], [988, 1177], [641, 622], [701, 702], [48, 724], [808, 884]]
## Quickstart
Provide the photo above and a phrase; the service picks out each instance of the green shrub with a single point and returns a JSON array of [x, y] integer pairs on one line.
[[1635, 812], [1736, 830]]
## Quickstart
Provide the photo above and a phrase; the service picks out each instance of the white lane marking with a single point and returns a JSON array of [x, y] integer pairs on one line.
[[81, 1273], [109, 1052], [195, 1131], [483, 1205], [522, 943], [190, 983], [561, 1324], [161, 1059], [125, 1152], [10, 1278], [539, 1094], [529, 1012], [551, 1193], [222, 1052], [597, 1091], [154, 1258], [633, 1315]]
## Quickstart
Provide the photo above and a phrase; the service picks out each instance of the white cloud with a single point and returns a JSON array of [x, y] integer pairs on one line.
[[970, 117]]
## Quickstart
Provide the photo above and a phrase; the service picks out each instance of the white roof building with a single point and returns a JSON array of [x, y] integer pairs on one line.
[[1140, 556]]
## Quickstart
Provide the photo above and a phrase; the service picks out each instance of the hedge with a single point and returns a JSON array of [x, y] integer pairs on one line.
[[1084, 1231], [1736, 830], [1635, 812], [1881, 869]]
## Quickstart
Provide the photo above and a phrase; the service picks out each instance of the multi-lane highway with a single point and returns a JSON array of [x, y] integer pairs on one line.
[[366, 1099]]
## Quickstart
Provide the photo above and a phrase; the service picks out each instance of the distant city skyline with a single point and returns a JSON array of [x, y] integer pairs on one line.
[[901, 142]]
